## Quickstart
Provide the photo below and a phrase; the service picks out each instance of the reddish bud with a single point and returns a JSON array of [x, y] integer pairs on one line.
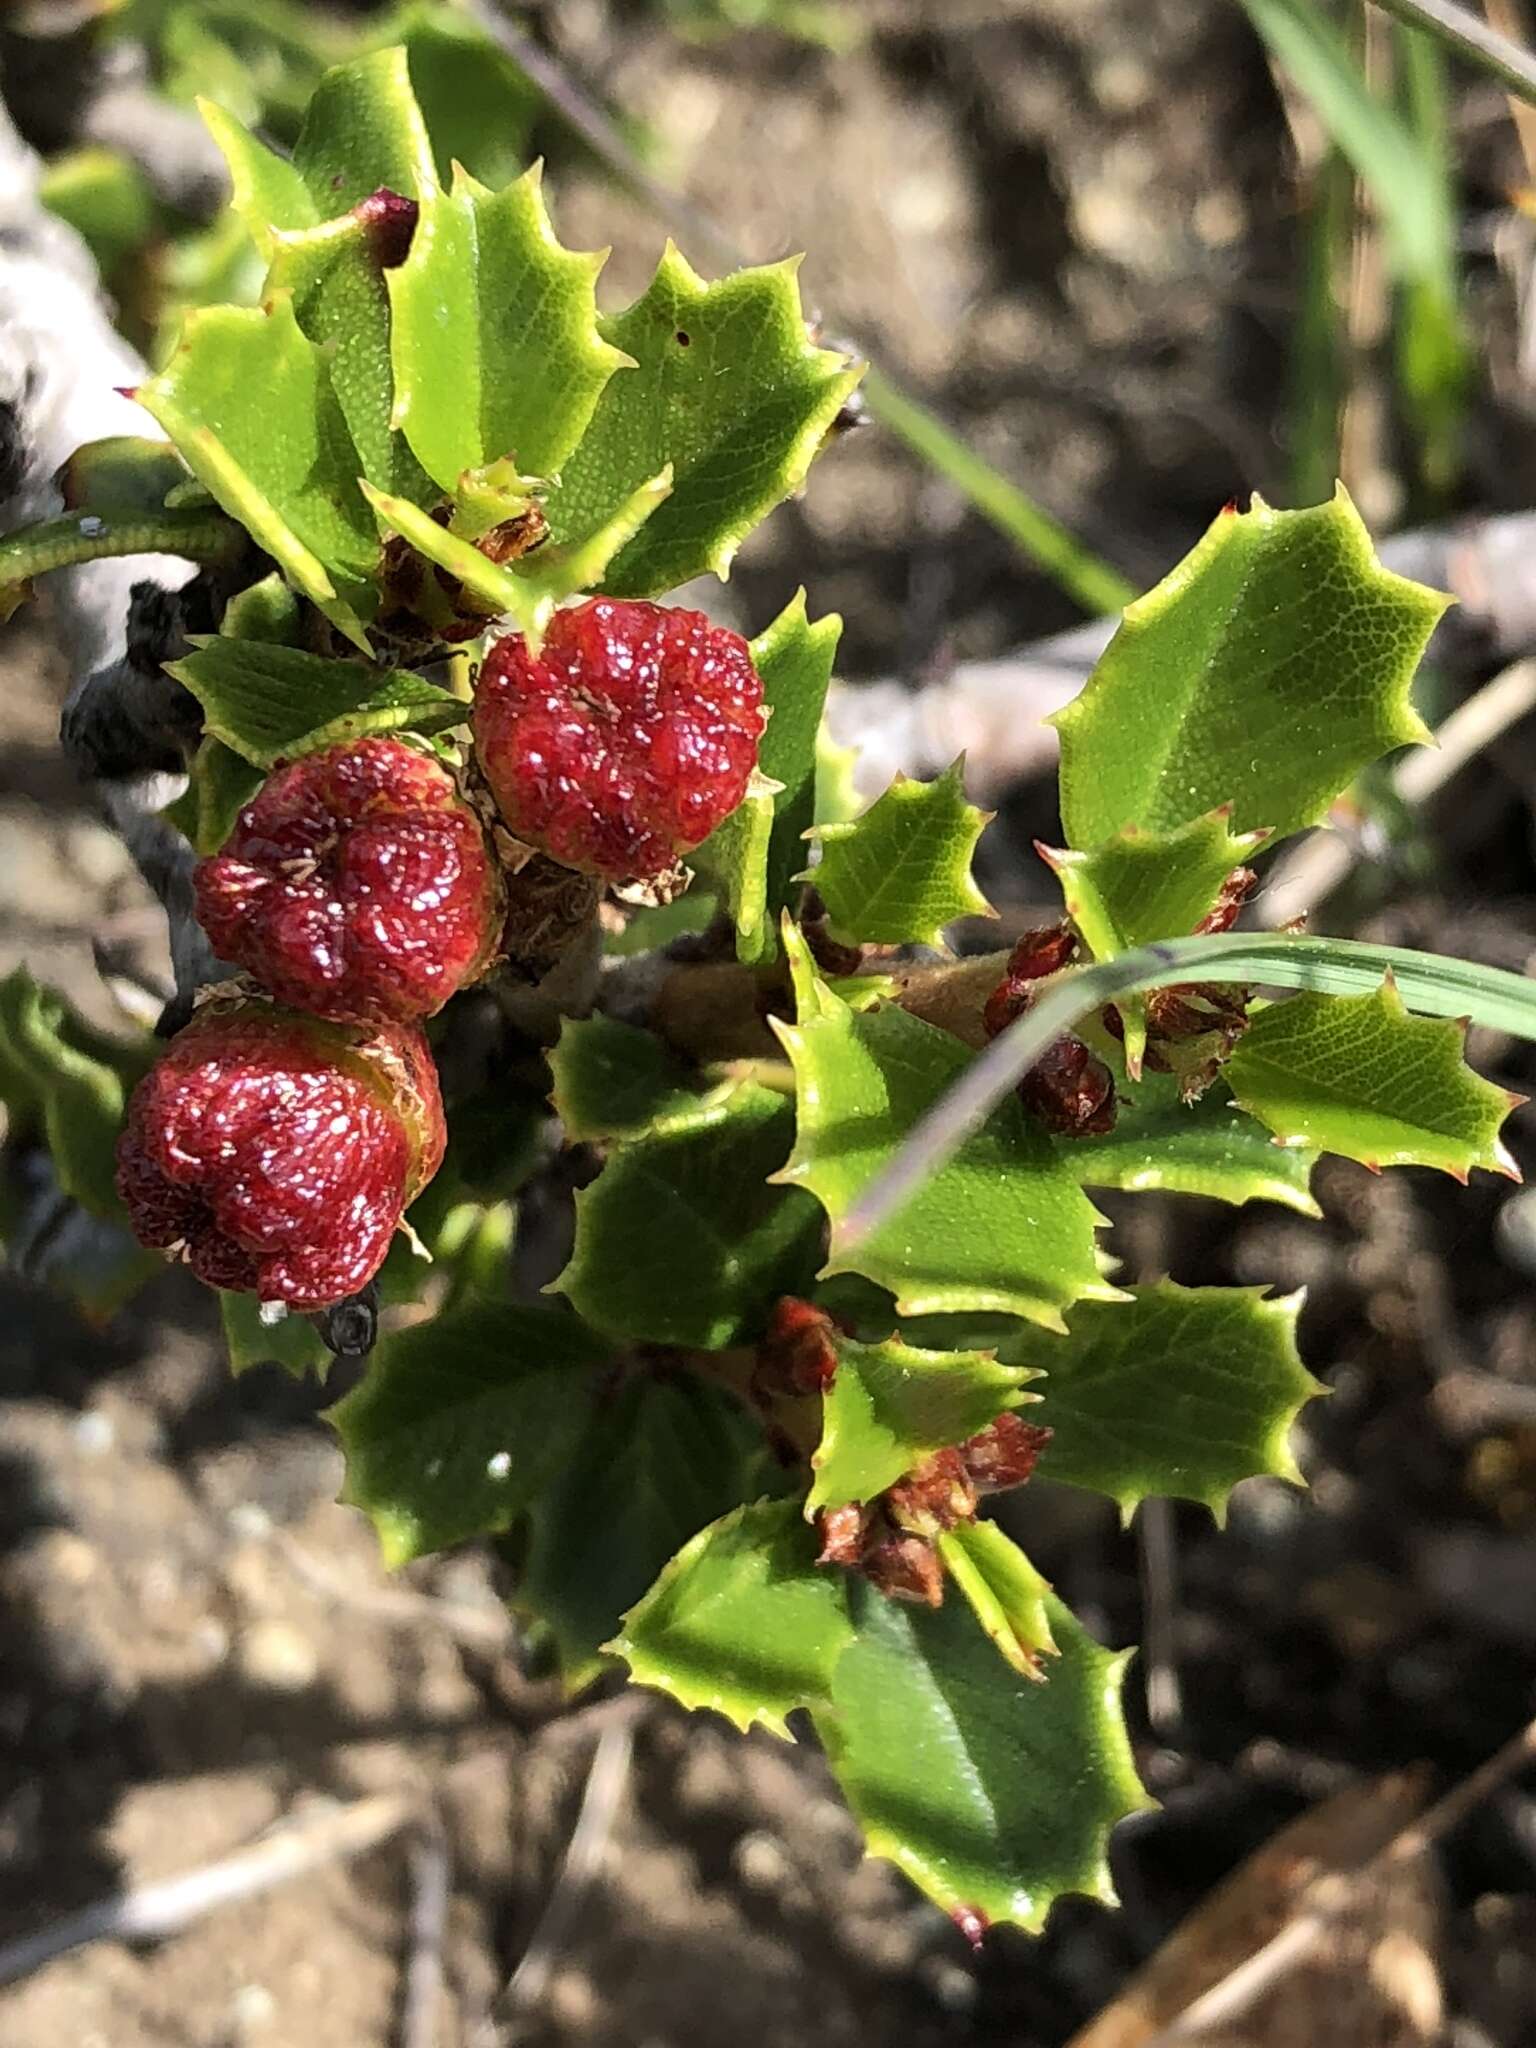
[[1235, 891], [1070, 1090], [389, 220], [905, 1567], [842, 1535], [797, 1353], [1004, 1453], [934, 1495]]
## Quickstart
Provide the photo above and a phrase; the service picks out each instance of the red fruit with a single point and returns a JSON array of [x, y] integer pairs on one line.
[[278, 1152], [626, 742], [358, 885]]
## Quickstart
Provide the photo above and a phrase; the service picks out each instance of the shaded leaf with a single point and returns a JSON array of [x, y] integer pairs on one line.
[[1179, 1390], [613, 1080], [294, 1343], [75, 1081], [730, 391], [462, 1420], [902, 872], [890, 1405], [1358, 1076], [1001, 1226], [742, 1620], [477, 104], [1264, 672], [682, 1240], [269, 703], [994, 1793], [655, 1462], [220, 783]]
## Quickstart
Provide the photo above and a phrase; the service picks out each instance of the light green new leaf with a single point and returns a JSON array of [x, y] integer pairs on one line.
[[1179, 1390], [496, 344], [462, 1420], [614, 1080], [267, 192], [993, 1792], [681, 1239], [655, 1463], [247, 399], [293, 1343], [757, 852], [363, 130], [730, 391], [1209, 1147], [60, 1069], [1001, 1227], [270, 703], [496, 588], [890, 1405], [1264, 672], [1358, 1076], [742, 1620], [900, 873], [1006, 1594], [1138, 886]]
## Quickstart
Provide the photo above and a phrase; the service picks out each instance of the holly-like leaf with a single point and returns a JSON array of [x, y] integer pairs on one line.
[[1139, 886], [681, 1239], [267, 190], [1359, 1076], [655, 1462], [293, 1343], [1209, 1147], [462, 1420], [58, 1069], [1002, 1226], [477, 104], [760, 847], [902, 872], [247, 399], [362, 131], [1006, 1594], [614, 1080], [1179, 1390], [730, 391], [742, 1620], [890, 1405], [1264, 672], [993, 1792], [270, 703], [496, 345]]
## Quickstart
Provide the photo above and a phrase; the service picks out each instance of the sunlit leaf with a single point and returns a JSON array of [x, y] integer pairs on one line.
[[902, 872]]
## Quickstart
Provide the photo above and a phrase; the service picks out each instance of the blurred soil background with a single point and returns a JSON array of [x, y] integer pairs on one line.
[[1077, 227]]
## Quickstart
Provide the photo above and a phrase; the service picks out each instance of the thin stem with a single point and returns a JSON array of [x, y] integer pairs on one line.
[[1471, 37]]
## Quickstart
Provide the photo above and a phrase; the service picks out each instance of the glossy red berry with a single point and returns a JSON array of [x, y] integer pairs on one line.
[[278, 1153], [357, 885], [626, 741]]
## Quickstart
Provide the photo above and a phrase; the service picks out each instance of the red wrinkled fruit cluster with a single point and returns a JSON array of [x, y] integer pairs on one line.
[[357, 885], [626, 741], [278, 1153]]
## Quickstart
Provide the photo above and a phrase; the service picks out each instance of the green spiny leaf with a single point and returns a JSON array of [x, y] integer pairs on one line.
[[462, 1420], [1264, 672], [1139, 886], [994, 1793], [1358, 1076], [890, 1405], [1001, 1227], [682, 1240], [759, 848], [902, 872], [1006, 1594], [267, 191], [270, 703], [614, 1080], [497, 350], [477, 104], [362, 131], [247, 399], [1179, 1390], [742, 1620], [729, 390], [655, 1462], [1209, 1147]]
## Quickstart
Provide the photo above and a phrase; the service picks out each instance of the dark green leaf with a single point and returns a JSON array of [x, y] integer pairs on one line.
[[614, 1080]]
